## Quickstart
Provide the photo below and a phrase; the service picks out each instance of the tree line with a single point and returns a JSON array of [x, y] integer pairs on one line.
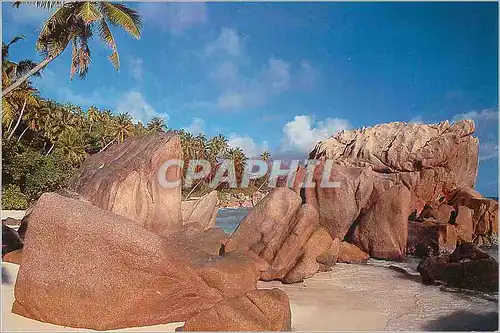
[[45, 141]]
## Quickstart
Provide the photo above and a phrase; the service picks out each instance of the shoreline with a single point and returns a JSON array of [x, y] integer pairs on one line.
[[337, 300]]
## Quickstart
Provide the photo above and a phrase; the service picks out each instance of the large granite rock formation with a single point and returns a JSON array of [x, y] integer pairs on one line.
[[431, 160], [351, 254], [286, 235], [484, 210], [383, 231], [124, 179], [339, 206], [430, 237], [88, 267], [202, 211], [258, 310]]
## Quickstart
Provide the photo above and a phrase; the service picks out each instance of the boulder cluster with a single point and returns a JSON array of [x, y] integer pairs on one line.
[[404, 189], [117, 250]]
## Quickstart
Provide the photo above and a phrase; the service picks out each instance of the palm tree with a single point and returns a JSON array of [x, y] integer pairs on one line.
[[122, 127], [156, 124], [71, 143], [239, 159], [62, 118], [75, 23], [265, 156], [139, 129], [25, 97], [217, 147], [11, 70], [93, 116]]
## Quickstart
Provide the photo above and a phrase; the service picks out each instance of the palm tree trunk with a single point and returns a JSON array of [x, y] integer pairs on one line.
[[20, 136], [194, 188], [18, 120], [106, 146], [10, 126], [50, 150], [26, 76]]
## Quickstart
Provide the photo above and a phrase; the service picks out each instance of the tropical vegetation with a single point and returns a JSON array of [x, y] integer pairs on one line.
[[44, 141]]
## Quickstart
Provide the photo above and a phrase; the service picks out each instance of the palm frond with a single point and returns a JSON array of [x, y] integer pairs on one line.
[[107, 37], [26, 65], [16, 39], [40, 4], [88, 12], [54, 35], [8, 112], [123, 16]]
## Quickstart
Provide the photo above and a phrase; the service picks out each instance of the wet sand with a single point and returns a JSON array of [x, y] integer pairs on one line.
[[348, 298], [368, 297]]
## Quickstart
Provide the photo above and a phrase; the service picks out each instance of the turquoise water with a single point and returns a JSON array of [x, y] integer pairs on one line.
[[229, 218]]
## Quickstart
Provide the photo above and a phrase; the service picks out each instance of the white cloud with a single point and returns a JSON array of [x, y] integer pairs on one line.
[[277, 75], [416, 120], [196, 127], [302, 133], [231, 100], [483, 115], [488, 151], [241, 86], [227, 43], [249, 146], [174, 17], [134, 103], [225, 72], [307, 75], [136, 68], [486, 122]]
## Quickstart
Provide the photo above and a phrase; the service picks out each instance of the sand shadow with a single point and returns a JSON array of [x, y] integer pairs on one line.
[[464, 321], [6, 279]]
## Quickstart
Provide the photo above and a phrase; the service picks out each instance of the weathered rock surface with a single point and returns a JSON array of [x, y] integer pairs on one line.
[[287, 235], [431, 160], [258, 310], [286, 258], [232, 274], [14, 257], [464, 223], [88, 267], [307, 265], [330, 256], [383, 231], [467, 267], [431, 238], [124, 179], [485, 211], [267, 225], [440, 212], [338, 206], [351, 254], [202, 211]]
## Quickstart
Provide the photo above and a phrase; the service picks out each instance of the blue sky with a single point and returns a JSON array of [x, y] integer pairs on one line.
[[285, 75]]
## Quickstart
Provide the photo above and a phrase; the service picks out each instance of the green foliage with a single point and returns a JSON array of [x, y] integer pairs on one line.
[[13, 198], [44, 141], [33, 173]]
